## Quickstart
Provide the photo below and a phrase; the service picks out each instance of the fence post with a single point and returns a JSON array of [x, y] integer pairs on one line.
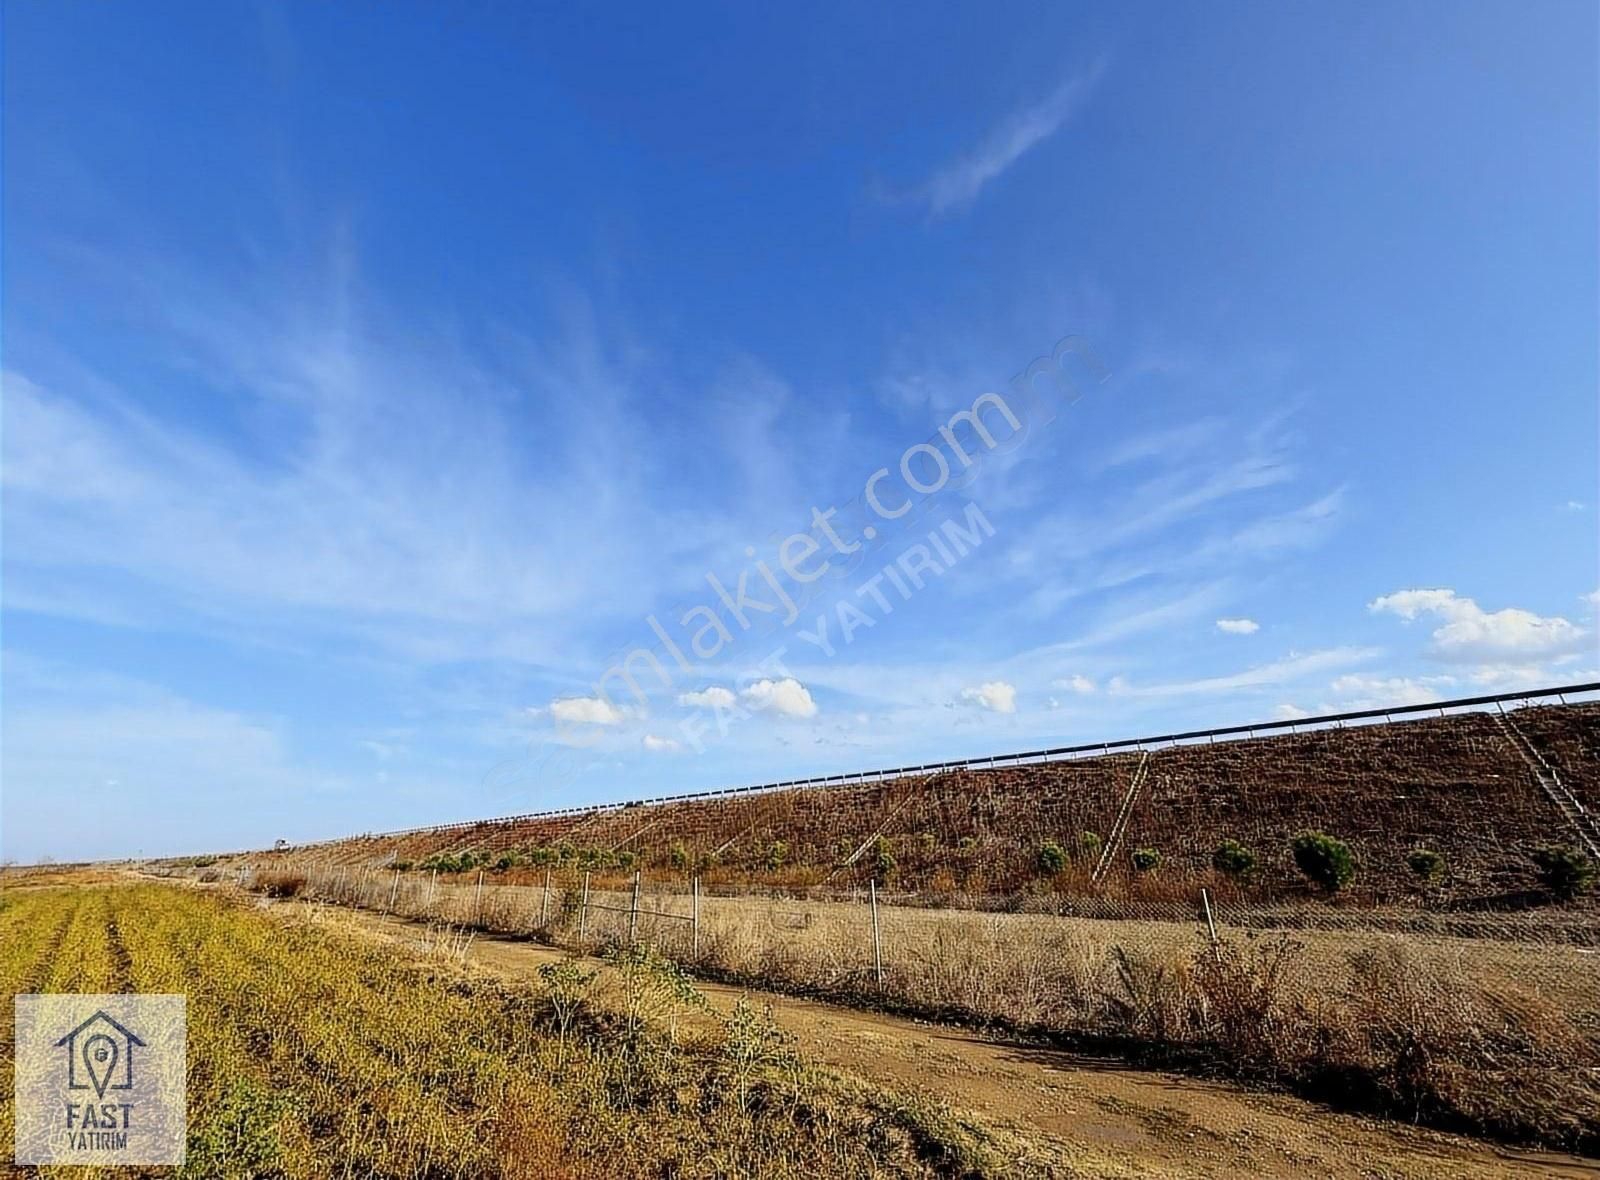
[[1211, 925], [583, 911], [633, 913], [544, 906], [433, 888], [393, 892], [477, 901], [877, 936], [694, 914]]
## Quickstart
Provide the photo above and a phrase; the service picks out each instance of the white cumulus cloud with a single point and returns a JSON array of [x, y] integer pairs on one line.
[[786, 697], [1470, 633], [715, 697], [1238, 626], [660, 745], [585, 711], [997, 696]]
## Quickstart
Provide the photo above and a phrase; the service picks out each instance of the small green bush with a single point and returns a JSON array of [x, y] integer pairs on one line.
[[1052, 858], [776, 854], [1325, 861], [1146, 860], [883, 858], [1566, 872], [1233, 859], [678, 855], [1089, 845], [1425, 864]]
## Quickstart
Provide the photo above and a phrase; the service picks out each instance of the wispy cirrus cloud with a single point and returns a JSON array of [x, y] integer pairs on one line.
[[1290, 668], [957, 184], [435, 500]]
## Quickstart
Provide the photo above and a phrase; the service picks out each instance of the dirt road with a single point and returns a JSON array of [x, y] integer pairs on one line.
[[1152, 1123]]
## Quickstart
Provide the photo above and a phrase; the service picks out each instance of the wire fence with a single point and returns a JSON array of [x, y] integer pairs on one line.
[[1003, 962]]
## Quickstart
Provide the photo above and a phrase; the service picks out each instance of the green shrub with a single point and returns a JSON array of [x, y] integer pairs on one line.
[[454, 862], [1566, 872], [1325, 861], [776, 854], [1089, 845], [1425, 864], [1052, 858], [1233, 859], [678, 855], [597, 859], [1145, 860], [883, 858], [240, 1136]]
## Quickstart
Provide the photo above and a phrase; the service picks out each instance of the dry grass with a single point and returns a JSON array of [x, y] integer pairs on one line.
[[1455, 785], [1500, 1038], [316, 1054]]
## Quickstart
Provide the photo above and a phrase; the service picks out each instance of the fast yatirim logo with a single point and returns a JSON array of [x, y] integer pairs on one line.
[[100, 1079], [103, 1055]]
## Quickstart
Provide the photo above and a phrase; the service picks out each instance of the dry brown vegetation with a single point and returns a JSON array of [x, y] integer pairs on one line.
[[1454, 785], [1463, 993], [314, 1053], [1494, 1037]]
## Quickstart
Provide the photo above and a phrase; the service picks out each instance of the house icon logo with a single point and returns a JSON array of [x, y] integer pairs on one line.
[[100, 1055], [118, 1097]]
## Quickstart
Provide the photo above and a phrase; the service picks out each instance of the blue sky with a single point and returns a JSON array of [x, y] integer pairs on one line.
[[372, 375]]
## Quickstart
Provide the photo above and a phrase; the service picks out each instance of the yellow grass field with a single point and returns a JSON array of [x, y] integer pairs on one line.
[[316, 1053]]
